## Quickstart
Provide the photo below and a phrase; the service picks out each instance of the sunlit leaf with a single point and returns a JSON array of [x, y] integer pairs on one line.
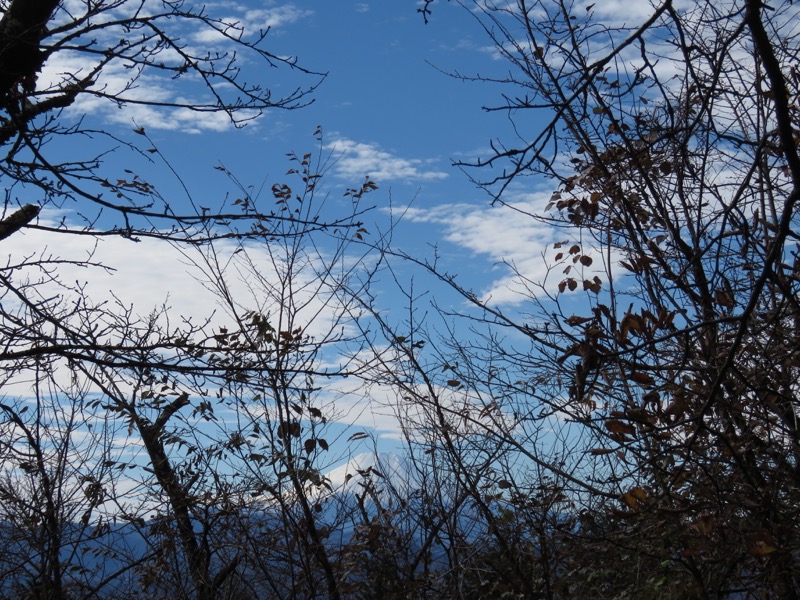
[[762, 548], [634, 498], [601, 451], [641, 378], [616, 426]]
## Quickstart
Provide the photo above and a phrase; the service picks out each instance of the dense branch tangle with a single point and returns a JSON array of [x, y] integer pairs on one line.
[[109, 421], [56, 55], [671, 139]]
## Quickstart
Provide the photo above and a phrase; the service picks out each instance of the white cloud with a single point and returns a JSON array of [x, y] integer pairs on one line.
[[618, 12], [150, 274], [145, 274], [121, 80], [356, 160], [249, 20], [521, 245], [115, 80], [277, 16]]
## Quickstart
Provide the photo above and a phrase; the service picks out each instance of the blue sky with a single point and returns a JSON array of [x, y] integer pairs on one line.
[[387, 110]]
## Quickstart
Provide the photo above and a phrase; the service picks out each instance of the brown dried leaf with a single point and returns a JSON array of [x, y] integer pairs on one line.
[[616, 426]]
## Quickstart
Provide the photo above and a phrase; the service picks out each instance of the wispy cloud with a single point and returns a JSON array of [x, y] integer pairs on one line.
[[115, 80], [253, 20], [151, 276], [276, 16], [146, 95], [521, 246], [358, 159]]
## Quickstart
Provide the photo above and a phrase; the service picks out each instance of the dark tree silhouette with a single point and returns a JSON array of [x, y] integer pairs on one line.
[[637, 411]]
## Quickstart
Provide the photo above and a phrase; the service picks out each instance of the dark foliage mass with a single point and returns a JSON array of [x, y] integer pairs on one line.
[[628, 428]]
